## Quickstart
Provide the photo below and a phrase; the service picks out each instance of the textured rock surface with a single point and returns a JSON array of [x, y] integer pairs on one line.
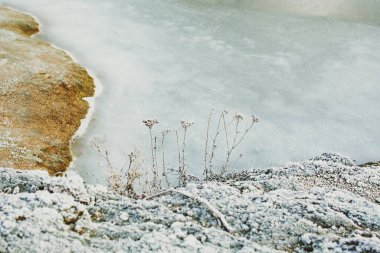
[[270, 210], [41, 97]]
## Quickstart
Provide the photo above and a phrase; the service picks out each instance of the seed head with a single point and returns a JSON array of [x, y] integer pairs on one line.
[[186, 124], [150, 122], [166, 131], [132, 156], [254, 119], [238, 116]]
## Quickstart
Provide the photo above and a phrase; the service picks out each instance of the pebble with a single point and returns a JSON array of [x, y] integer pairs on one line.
[[124, 216]]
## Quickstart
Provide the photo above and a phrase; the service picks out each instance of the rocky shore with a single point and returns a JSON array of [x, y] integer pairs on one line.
[[41, 97], [326, 204]]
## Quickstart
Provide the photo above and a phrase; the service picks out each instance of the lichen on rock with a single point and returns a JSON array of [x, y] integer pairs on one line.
[[41, 97]]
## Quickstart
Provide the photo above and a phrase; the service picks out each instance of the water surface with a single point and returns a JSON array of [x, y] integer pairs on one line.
[[308, 69]]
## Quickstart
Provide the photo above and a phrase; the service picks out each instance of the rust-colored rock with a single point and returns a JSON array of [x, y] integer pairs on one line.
[[41, 97]]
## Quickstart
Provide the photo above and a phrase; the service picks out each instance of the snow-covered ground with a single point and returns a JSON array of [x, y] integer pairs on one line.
[[308, 69]]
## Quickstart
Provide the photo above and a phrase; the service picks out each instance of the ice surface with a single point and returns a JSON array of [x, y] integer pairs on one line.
[[309, 70]]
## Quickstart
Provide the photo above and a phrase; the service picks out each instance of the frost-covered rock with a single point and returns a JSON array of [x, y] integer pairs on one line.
[[18, 181], [269, 210], [329, 170]]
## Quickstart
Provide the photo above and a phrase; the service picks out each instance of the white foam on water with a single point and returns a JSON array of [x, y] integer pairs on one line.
[[309, 71]]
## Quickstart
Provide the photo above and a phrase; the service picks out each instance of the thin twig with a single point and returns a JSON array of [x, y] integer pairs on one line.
[[236, 142], [163, 155], [164, 173], [213, 147], [205, 173], [217, 214], [153, 145], [183, 172], [225, 130], [229, 151], [245, 133], [153, 158], [179, 157], [157, 181]]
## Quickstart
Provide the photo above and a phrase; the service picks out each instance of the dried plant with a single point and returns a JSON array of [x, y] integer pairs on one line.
[[164, 172], [209, 156], [121, 181], [132, 174], [231, 145], [237, 139], [213, 149], [182, 167], [124, 180], [206, 153], [156, 184]]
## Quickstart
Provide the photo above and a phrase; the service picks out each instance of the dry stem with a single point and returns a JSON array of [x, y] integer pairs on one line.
[[214, 144], [164, 173], [206, 172], [236, 142], [217, 214]]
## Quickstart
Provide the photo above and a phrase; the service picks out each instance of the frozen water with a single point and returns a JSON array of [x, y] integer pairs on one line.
[[308, 69]]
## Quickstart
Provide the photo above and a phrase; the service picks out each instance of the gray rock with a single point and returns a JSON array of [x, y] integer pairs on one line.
[[293, 208]]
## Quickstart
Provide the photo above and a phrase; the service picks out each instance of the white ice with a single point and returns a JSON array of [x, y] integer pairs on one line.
[[309, 69]]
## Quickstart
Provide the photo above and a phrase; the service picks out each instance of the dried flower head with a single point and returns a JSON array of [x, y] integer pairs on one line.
[[255, 119], [238, 116], [166, 131], [132, 155], [186, 124], [225, 112], [150, 122]]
